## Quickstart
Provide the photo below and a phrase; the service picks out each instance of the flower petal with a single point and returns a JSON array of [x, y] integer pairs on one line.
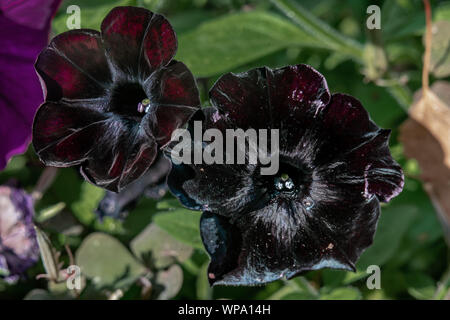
[[164, 120], [173, 98], [122, 154], [280, 97], [283, 240], [160, 42], [18, 244], [137, 40], [241, 96], [215, 187], [172, 85], [63, 134], [24, 32], [116, 205], [74, 66], [355, 151], [297, 95]]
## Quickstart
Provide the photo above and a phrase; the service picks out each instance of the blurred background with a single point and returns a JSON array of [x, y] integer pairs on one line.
[[137, 247]]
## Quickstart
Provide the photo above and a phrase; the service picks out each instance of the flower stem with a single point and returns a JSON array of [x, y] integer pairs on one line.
[[320, 30], [45, 181]]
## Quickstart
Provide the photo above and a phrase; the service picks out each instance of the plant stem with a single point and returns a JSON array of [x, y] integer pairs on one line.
[[320, 30], [338, 42], [45, 180]]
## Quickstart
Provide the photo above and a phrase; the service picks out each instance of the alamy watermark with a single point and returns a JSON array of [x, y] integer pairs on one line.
[[73, 281], [374, 280], [374, 20], [74, 19], [236, 147]]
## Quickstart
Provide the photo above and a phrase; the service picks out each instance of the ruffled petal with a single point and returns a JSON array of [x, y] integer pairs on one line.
[[138, 41], [282, 98], [242, 96], [297, 95], [74, 66], [355, 154], [283, 239]]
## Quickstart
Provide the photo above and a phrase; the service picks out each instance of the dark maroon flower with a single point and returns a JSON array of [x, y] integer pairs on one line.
[[24, 31], [112, 97], [320, 209], [18, 244]]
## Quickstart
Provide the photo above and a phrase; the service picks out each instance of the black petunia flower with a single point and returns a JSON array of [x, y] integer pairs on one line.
[[112, 97], [320, 209]]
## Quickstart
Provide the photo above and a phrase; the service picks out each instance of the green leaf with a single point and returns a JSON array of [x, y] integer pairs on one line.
[[348, 293], [39, 294], [335, 278], [204, 290], [182, 224], [319, 30], [170, 281], [392, 227], [87, 202], [84, 209], [48, 254], [107, 262], [401, 18], [298, 295], [223, 44], [420, 286], [163, 249]]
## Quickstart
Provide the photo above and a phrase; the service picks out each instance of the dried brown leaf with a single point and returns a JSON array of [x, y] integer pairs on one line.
[[426, 137]]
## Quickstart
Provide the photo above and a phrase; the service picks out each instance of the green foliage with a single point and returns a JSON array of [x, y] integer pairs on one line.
[[105, 261], [231, 41], [181, 223]]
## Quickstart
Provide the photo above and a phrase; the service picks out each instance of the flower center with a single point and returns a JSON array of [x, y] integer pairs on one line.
[[144, 105], [291, 181], [284, 183], [126, 99]]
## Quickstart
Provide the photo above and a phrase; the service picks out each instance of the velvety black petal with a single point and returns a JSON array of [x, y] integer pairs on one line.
[[63, 134], [242, 96], [284, 239], [137, 40], [74, 66], [280, 97], [219, 188], [172, 85], [123, 153], [174, 98], [355, 151], [112, 150], [223, 188]]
